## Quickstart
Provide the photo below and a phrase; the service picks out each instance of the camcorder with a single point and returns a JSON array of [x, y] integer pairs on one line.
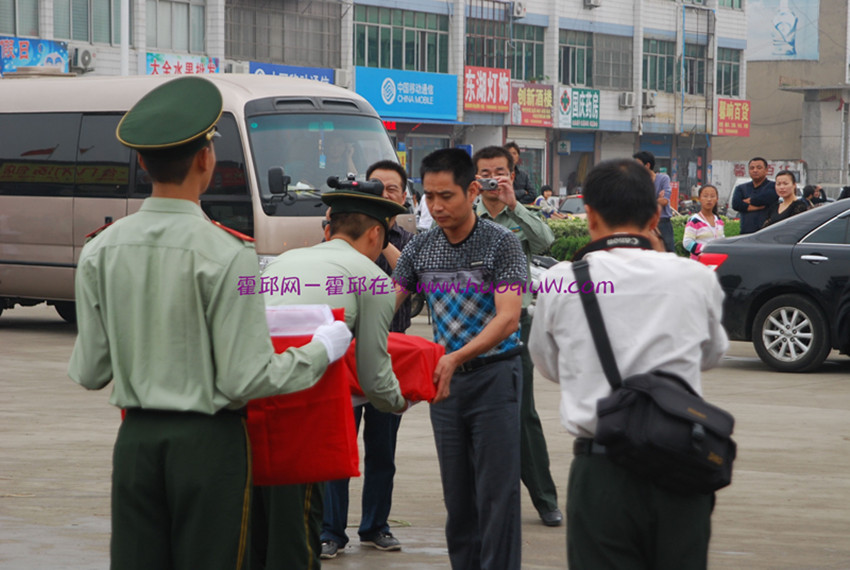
[[488, 183], [375, 187]]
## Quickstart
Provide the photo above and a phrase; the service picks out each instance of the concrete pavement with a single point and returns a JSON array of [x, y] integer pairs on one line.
[[788, 507]]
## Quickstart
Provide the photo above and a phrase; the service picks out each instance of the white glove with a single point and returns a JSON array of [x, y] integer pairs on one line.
[[407, 406], [336, 337]]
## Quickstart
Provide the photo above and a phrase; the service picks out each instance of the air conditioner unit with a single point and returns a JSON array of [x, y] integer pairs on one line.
[[237, 67], [342, 77], [648, 99], [627, 100], [82, 59], [592, 3], [519, 10]]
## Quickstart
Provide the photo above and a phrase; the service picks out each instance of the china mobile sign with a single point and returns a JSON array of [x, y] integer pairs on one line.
[[486, 89], [408, 94]]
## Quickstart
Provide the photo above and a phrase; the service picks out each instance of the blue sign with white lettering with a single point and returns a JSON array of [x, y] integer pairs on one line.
[[322, 74], [409, 94]]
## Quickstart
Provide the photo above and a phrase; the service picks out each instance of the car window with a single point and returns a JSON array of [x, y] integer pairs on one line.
[[834, 231], [573, 206]]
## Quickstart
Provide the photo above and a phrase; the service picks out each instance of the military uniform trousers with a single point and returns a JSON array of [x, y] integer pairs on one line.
[[181, 487], [286, 521]]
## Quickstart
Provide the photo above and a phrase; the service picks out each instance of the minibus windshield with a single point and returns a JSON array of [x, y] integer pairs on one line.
[[310, 148]]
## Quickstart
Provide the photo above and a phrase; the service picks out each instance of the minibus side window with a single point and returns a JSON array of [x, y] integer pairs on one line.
[[37, 153], [103, 163]]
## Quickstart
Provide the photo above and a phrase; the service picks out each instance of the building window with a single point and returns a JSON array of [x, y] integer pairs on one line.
[[487, 43], [19, 17], [658, 65], [96, 21], [575, 58], [401, 39], [694, 69], [177, 26], [729, 4], [295, 32], [612, 62], [525, 57], [728, 72]]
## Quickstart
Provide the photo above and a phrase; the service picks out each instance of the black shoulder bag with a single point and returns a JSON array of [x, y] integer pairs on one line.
[[655, 424]]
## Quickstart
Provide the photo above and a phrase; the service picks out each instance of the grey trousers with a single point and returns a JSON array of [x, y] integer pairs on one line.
[[477, 433]]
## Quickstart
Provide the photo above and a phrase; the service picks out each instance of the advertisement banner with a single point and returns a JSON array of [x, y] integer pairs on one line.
[[531, 104], [578, 108], [733, 118], [173, 64], [321, 74], [26, 52], [408, 94], [486, 89], [782, 30]]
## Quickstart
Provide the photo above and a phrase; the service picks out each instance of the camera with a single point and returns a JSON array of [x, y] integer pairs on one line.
[[375, 187], [488, 183]]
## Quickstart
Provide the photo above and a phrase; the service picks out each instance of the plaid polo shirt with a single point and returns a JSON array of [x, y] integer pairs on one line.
[[459, 280]]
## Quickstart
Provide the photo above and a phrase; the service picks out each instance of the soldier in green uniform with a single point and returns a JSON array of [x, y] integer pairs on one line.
[[340, 272], [159, 314]]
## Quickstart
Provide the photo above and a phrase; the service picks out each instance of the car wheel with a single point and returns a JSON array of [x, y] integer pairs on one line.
[[67, 310], [790, 334]]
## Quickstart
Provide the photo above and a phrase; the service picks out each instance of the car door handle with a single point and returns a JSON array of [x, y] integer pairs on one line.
[[814, 257]]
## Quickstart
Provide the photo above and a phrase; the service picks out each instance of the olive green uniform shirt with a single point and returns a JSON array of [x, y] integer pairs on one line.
[[334, 273], [159, 311], [533, 233]]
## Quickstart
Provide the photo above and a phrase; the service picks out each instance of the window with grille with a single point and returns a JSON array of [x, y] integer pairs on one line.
[[575, 58], [19, 17], [487, 42], [658, 64], [612, 62], [401, 39], [526, 52], [694, 69], [96, 21], [728, 72], [294, 32]]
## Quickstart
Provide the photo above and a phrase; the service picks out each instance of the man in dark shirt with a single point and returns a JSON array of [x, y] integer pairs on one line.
[[381, 428], [753, 198], [523, 188]]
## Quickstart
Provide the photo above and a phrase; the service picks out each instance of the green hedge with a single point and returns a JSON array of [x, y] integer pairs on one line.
[[571, 235]]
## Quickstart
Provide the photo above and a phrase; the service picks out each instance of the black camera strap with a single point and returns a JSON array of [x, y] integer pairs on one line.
[[581, 270], [633, 241]]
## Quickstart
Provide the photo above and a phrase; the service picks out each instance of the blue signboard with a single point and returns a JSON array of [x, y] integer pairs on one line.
[[322, 74], [26, 52], [409, 94]]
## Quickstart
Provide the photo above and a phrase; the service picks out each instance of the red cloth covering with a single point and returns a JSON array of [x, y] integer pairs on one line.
[[414, 360], [307, 436]]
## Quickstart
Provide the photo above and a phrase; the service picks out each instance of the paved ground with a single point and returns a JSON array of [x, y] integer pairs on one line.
[[788, 508]]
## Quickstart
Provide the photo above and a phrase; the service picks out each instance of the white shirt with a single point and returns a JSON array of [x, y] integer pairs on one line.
[[423, 223], [664, 314]]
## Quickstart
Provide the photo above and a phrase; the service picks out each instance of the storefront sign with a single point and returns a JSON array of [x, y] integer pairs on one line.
[[172, 64], [322, 74], [486, 89], [25, 52], [531, 104], [578, 108], [733, 118], [409, 94]]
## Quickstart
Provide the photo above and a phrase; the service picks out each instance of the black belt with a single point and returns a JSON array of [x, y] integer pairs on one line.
[[586, 446], [241, 412], [477, 363]]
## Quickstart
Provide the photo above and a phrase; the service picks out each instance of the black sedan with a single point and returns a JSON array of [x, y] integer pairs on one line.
[[784, 285]]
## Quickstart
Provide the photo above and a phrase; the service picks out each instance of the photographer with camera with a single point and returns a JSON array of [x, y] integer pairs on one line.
[[495, 170]]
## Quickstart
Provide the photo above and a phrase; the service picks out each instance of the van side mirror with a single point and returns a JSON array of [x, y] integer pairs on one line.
[[278, 181]]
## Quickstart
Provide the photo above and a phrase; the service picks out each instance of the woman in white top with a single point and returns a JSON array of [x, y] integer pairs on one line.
[[705, 225]]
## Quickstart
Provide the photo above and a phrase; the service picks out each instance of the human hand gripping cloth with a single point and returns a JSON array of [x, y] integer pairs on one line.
[[306, 436], [414, 360]]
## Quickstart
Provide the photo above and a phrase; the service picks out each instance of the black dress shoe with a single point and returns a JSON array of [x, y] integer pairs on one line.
[[552, 518]]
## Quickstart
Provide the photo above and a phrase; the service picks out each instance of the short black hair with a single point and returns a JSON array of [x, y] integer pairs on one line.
[[164, 168], [645, 157], [512, 145], [786, 173], [454, 160], [808, 190], [351, 224], [389, 165], [763, 161], [544, 188], [621, 192], [493, 152]]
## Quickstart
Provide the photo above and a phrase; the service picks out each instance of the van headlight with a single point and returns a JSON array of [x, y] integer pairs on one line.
[[264, 260]]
